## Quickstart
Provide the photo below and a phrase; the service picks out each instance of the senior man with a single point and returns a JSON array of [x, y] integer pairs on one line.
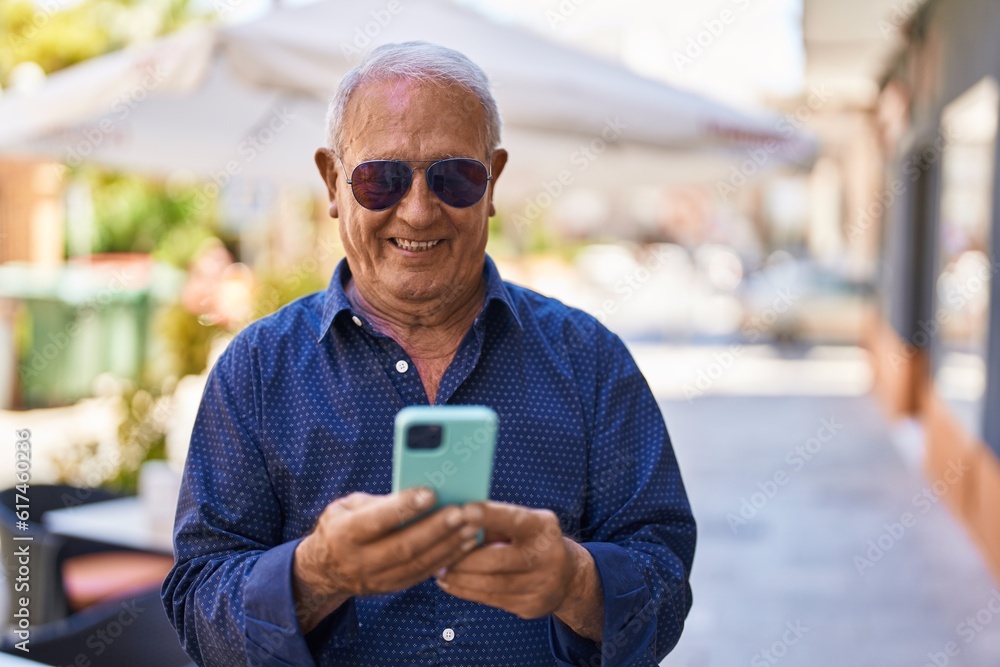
[[289, 546]]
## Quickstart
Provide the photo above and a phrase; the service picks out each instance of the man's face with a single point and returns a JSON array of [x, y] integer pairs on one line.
[[406, 120]]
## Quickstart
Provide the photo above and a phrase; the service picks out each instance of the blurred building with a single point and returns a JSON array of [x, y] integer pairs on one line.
[[935, 212]]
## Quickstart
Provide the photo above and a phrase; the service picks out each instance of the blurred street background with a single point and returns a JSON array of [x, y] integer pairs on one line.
[[784, 207]]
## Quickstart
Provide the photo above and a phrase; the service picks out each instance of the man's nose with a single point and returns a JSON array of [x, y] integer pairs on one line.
[[419, 206]]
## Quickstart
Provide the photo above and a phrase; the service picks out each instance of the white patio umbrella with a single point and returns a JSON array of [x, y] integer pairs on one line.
[[250, 99]]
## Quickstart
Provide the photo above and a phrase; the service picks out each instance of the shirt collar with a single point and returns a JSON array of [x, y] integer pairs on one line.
[[335, 300]]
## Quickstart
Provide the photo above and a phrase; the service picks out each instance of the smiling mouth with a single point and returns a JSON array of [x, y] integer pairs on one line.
[[415, 246]]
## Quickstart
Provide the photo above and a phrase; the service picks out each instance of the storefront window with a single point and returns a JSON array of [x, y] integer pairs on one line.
[[965, 264]]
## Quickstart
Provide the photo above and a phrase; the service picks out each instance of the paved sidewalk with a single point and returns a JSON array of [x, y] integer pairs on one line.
[[786, 581]]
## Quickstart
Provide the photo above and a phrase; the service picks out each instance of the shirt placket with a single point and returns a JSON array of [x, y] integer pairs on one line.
[[447, 630], [401, 371], [395, 363], [461, 366]]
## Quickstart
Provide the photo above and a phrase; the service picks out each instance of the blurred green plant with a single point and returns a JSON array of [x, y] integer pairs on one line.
[[274, 290], [136, 214], [141, 437], [187, 340], [141, 434], [510, 237]]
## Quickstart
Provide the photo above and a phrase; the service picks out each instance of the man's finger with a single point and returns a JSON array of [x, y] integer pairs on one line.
[[410, 545], [354, 500], [507, 584], [505, 522], [495, 559], [387, 513], [442, 555], [508, 600]]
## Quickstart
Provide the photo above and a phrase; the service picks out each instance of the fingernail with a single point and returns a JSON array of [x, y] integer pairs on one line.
[[469, 545], [468, 531], [422, 497], [440, 573], [453, 518]]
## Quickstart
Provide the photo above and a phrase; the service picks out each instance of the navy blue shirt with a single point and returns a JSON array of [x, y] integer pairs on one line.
[[298, 411]]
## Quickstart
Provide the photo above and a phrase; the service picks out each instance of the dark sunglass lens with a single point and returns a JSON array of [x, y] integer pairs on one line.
[[458, 182], [380, 184]]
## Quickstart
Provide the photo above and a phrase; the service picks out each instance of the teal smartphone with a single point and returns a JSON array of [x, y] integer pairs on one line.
[[448, 448]]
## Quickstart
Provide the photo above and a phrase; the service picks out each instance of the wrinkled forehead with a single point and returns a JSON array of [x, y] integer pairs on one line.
[[408, 119]]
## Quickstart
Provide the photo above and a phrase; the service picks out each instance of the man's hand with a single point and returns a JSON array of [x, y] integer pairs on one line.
[[528, 568], [358, 548]]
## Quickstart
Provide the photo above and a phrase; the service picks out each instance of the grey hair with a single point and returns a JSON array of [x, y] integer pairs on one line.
[[415, 61]]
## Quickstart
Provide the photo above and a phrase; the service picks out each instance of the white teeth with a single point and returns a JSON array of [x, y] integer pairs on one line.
[[415, 246]]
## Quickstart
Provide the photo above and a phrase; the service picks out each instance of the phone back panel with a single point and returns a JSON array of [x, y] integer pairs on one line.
[[460, 469]]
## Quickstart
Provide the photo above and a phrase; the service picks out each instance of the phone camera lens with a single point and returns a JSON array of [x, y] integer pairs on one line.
[[423, 436]]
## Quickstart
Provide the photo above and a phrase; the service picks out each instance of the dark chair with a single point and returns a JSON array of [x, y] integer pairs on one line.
[[126, 632], [68, 574]]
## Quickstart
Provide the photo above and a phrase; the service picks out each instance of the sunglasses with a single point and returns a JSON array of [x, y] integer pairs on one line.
[[459, 182]]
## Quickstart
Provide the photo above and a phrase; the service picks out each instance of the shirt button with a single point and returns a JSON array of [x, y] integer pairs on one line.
[[448, 634], [356, 320], [402, 366]]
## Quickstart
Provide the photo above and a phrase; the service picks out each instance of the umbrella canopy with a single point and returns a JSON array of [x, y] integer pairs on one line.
[[249, 100]]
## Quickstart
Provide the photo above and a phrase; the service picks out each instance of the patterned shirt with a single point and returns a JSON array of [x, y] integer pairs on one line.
[[299, 411]]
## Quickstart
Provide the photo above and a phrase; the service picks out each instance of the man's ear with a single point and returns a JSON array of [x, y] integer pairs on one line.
[[497, 162], [326, 162]]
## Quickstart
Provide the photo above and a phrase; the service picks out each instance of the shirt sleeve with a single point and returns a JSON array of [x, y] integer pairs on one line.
[[229, 594], [637, 524]]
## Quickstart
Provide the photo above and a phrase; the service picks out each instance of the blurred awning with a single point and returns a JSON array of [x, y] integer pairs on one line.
[[250, 100], [850, 45]]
